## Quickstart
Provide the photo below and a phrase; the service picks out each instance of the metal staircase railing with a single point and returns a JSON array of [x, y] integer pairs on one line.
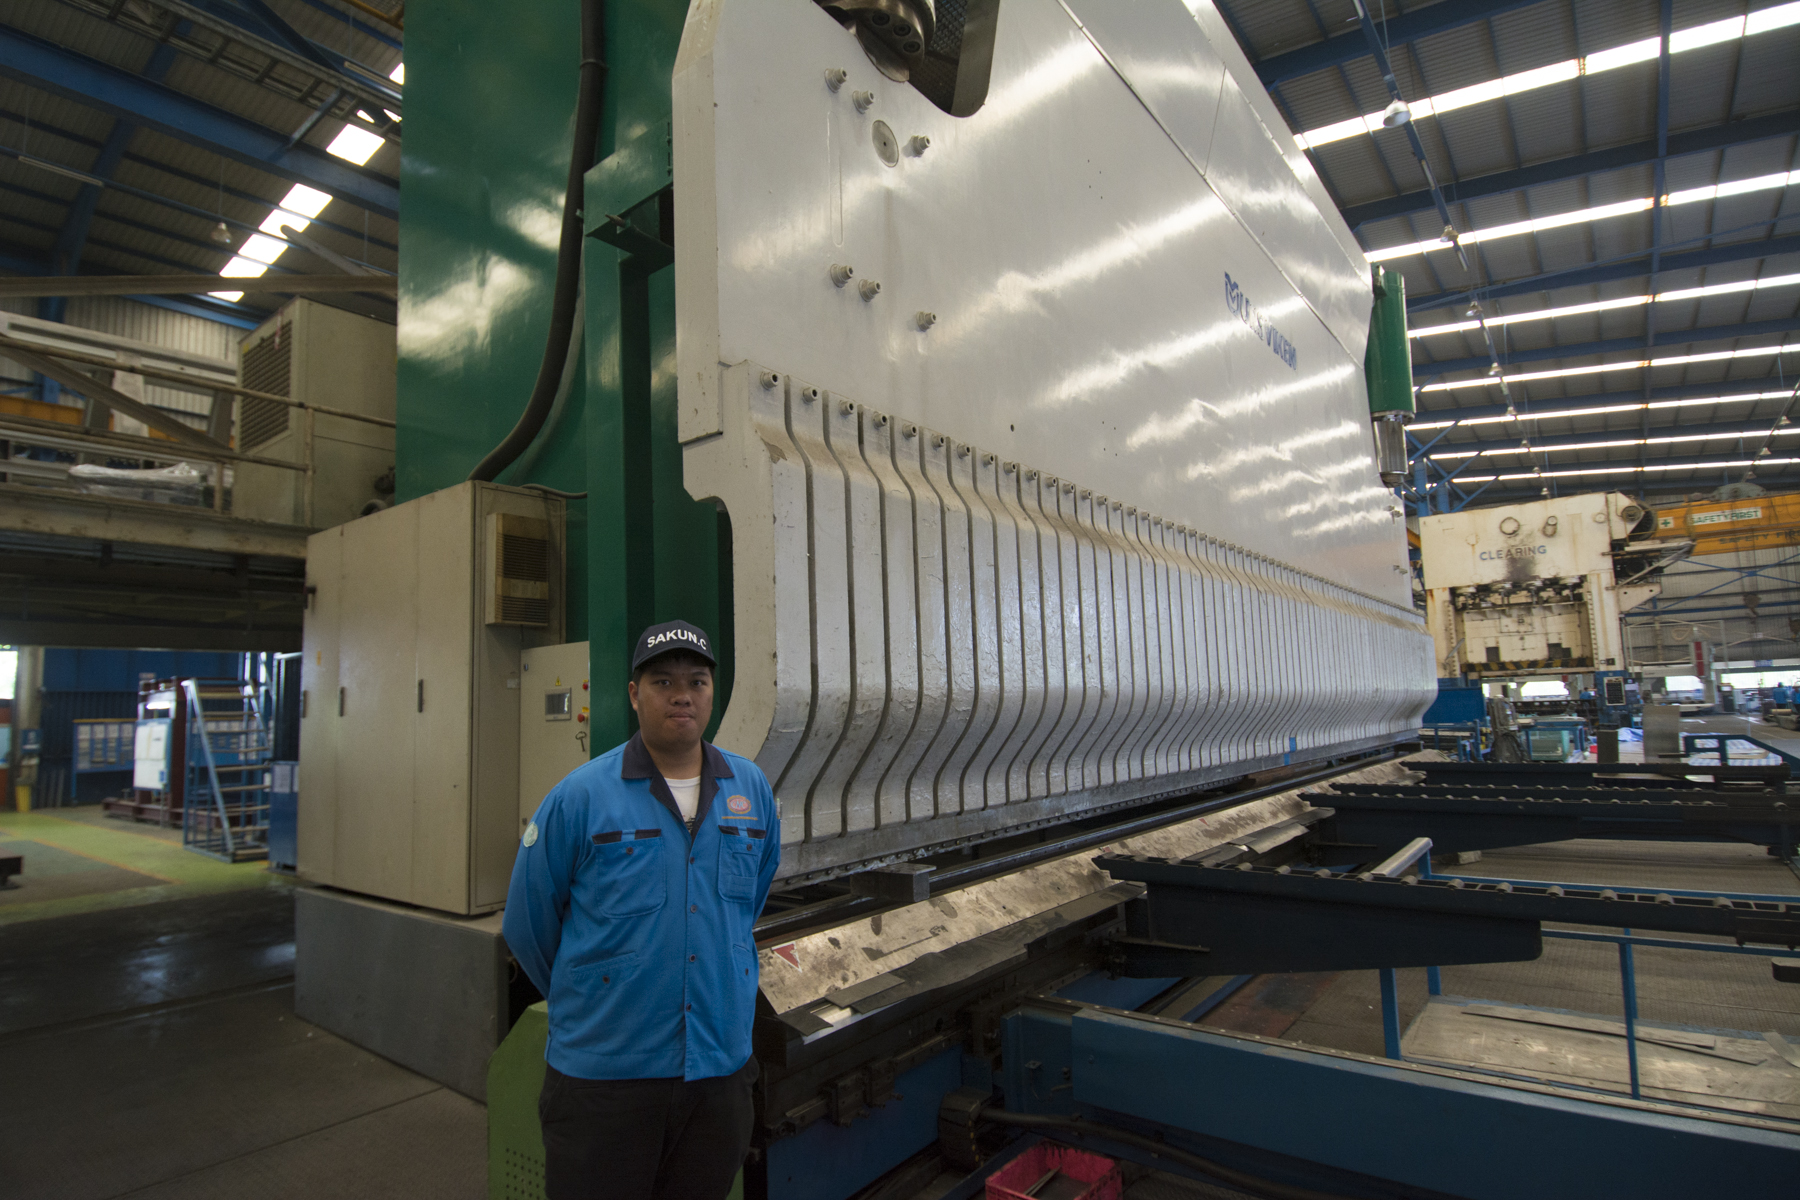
[[229, 746]]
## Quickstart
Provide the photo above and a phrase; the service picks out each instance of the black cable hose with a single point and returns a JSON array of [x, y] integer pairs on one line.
[[1206, 1166], [567, 288]]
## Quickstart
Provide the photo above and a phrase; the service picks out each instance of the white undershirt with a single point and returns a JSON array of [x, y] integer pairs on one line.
[[687, 797]]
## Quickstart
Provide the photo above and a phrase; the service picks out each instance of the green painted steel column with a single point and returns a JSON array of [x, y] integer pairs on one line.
[[490, 113], [655, 553]]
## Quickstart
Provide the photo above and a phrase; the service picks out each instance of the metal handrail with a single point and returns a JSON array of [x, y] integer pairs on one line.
[[57, 436], [1625, 940], [95, 360]]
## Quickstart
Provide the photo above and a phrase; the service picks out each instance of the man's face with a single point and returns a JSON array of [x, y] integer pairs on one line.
[[673, 701]]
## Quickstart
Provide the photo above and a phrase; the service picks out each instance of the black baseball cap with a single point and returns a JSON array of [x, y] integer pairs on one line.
[[670, 637]]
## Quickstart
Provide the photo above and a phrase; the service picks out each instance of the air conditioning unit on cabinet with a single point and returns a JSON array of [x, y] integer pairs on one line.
[[319, 355]]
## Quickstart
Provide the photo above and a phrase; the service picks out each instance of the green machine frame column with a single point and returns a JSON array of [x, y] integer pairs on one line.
[[490, 111]]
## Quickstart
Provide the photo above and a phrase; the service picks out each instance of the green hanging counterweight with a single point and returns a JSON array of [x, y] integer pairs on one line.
[[1387, 367]]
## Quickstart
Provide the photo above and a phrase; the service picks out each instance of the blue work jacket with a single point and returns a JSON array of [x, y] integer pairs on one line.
[[638, 935]]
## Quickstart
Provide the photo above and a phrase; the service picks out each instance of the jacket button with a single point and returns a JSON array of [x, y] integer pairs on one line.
[[693, 908], [690, 1008], [693, 958]]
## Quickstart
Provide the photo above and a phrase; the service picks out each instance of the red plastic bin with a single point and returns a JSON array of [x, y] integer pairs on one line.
[[1099, 1173]]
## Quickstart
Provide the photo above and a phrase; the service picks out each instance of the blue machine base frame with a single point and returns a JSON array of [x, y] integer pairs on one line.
[[1357, 1126]]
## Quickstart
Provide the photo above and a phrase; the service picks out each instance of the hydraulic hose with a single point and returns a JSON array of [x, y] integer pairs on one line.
[[567, 288], [1079, 1126]]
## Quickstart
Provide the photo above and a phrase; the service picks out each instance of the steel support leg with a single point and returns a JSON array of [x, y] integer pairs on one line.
[[1390, 1015], [1628, 977]]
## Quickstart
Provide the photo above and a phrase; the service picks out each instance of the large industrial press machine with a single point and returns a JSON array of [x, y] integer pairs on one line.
[[998, 383]]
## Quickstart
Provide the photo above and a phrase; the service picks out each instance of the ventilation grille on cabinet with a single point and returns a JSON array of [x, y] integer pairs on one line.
[[519, 554], [266, 367]]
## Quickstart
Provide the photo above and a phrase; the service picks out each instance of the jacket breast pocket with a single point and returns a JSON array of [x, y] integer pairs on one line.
[[628, 877], [739, 863]]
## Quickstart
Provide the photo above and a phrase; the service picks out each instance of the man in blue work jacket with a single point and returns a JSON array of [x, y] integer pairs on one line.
[[631, 906]]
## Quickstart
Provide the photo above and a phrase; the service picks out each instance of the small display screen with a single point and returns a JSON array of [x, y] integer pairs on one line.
[[556, 705]]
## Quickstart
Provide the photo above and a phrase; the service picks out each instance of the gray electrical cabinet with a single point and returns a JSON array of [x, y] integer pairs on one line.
[[409, 733]]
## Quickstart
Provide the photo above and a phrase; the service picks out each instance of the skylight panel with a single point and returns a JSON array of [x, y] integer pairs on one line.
[[262, 249], [308, 202], [355, 144]]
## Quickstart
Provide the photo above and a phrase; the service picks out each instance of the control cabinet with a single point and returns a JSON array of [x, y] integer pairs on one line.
[[409, 729]]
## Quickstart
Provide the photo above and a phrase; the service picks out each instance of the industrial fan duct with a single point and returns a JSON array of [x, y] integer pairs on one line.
[[1043, 430]]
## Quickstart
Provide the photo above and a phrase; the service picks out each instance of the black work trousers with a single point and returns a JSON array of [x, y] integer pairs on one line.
[[644, 1139]]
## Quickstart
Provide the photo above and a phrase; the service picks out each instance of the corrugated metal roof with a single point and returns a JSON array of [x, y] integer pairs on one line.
[[166, 196], [1708, 86]]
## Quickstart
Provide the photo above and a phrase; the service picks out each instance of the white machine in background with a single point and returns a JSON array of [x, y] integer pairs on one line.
[[321, 355], [1538, 589]]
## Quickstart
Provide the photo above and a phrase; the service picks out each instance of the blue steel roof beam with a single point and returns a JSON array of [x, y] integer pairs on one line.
[[1402, 29], [1456, 451], [1674, 485], [1449, 159], [210, 247], [1673, 463], [108, 89], [152, 198], [1318, 164], [367, 30], [1708, 333], [230, 19], [27, 260], [319, 222], [1665, 26], [1573, 406], [277, 29], [1373, 39], [1629, 268], [71, 239], [1635, 154]]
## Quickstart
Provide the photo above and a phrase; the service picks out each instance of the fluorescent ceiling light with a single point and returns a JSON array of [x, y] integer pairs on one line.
[[1601, 368], [1576, 310], [1616, 443], [234, 297], [1779, 179], [1778, 17], [1596, 410], [355, 144], [398, 74], [1624, 469]]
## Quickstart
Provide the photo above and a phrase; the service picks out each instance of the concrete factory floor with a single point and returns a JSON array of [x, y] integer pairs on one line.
[[149, 1048]]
